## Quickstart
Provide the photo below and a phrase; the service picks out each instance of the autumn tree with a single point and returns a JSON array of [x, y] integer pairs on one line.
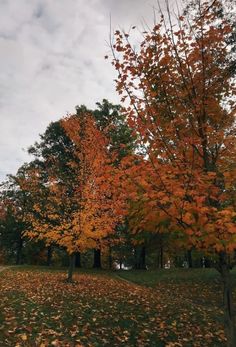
[[54, 153], [99, 201], [182, 110], [76, 215], [111, 121]]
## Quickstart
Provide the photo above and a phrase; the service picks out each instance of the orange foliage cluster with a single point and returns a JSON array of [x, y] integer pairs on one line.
[[80, 214], [100, 205], [182, 110]]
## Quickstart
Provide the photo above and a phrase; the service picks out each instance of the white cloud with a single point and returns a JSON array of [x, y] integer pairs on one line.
[[52, 59]]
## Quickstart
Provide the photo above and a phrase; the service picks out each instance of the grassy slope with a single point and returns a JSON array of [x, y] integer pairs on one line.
[[153, 277], [168, 308]]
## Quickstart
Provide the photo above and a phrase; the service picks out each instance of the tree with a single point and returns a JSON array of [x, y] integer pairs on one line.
[[52, 157], [15, 202], [11, 234], [55, 151], [51, 212], [182, 110], [111, 121], [98, 213], [77, 214]]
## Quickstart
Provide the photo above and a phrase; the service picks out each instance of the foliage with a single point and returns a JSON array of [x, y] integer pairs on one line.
[[98, 213], [15, 203], [77, 214], [182, 110], [111, 121]]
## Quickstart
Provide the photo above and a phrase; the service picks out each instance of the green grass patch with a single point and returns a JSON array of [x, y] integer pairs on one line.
[[153, 277]]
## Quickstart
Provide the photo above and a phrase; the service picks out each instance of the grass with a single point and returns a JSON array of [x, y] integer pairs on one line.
[[123, 308], [152, 277]]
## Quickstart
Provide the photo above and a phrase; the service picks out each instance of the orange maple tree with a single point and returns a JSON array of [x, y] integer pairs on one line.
[[182, 110], [80, 215], [100, 205]]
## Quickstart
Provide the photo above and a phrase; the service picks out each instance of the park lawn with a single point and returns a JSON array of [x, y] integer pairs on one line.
[[152, 278], [175, 308]]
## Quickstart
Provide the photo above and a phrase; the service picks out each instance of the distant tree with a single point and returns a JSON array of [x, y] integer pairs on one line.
[[112, 120], [52, 157], [12, 225]]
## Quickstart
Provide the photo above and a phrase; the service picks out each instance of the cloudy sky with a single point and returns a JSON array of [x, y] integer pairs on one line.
[[52, 59]]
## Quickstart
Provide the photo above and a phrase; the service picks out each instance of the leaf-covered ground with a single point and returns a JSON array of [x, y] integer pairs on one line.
[[40, 309]]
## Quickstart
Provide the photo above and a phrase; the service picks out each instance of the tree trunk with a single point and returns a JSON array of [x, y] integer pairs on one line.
[[158, 260], [77, 259], [110, 258], [229, 313], [161, 256], [207, 262], [189, 258], [143, 258], [136, 260], [49, 255], [71, 267], [19, 251], [97, 259], [140, 258]]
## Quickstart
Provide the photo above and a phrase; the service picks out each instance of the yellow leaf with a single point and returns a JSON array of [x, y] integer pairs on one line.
[[23, 337]]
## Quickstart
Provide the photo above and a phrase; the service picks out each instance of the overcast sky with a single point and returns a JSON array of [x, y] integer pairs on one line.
[[52, 59]]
